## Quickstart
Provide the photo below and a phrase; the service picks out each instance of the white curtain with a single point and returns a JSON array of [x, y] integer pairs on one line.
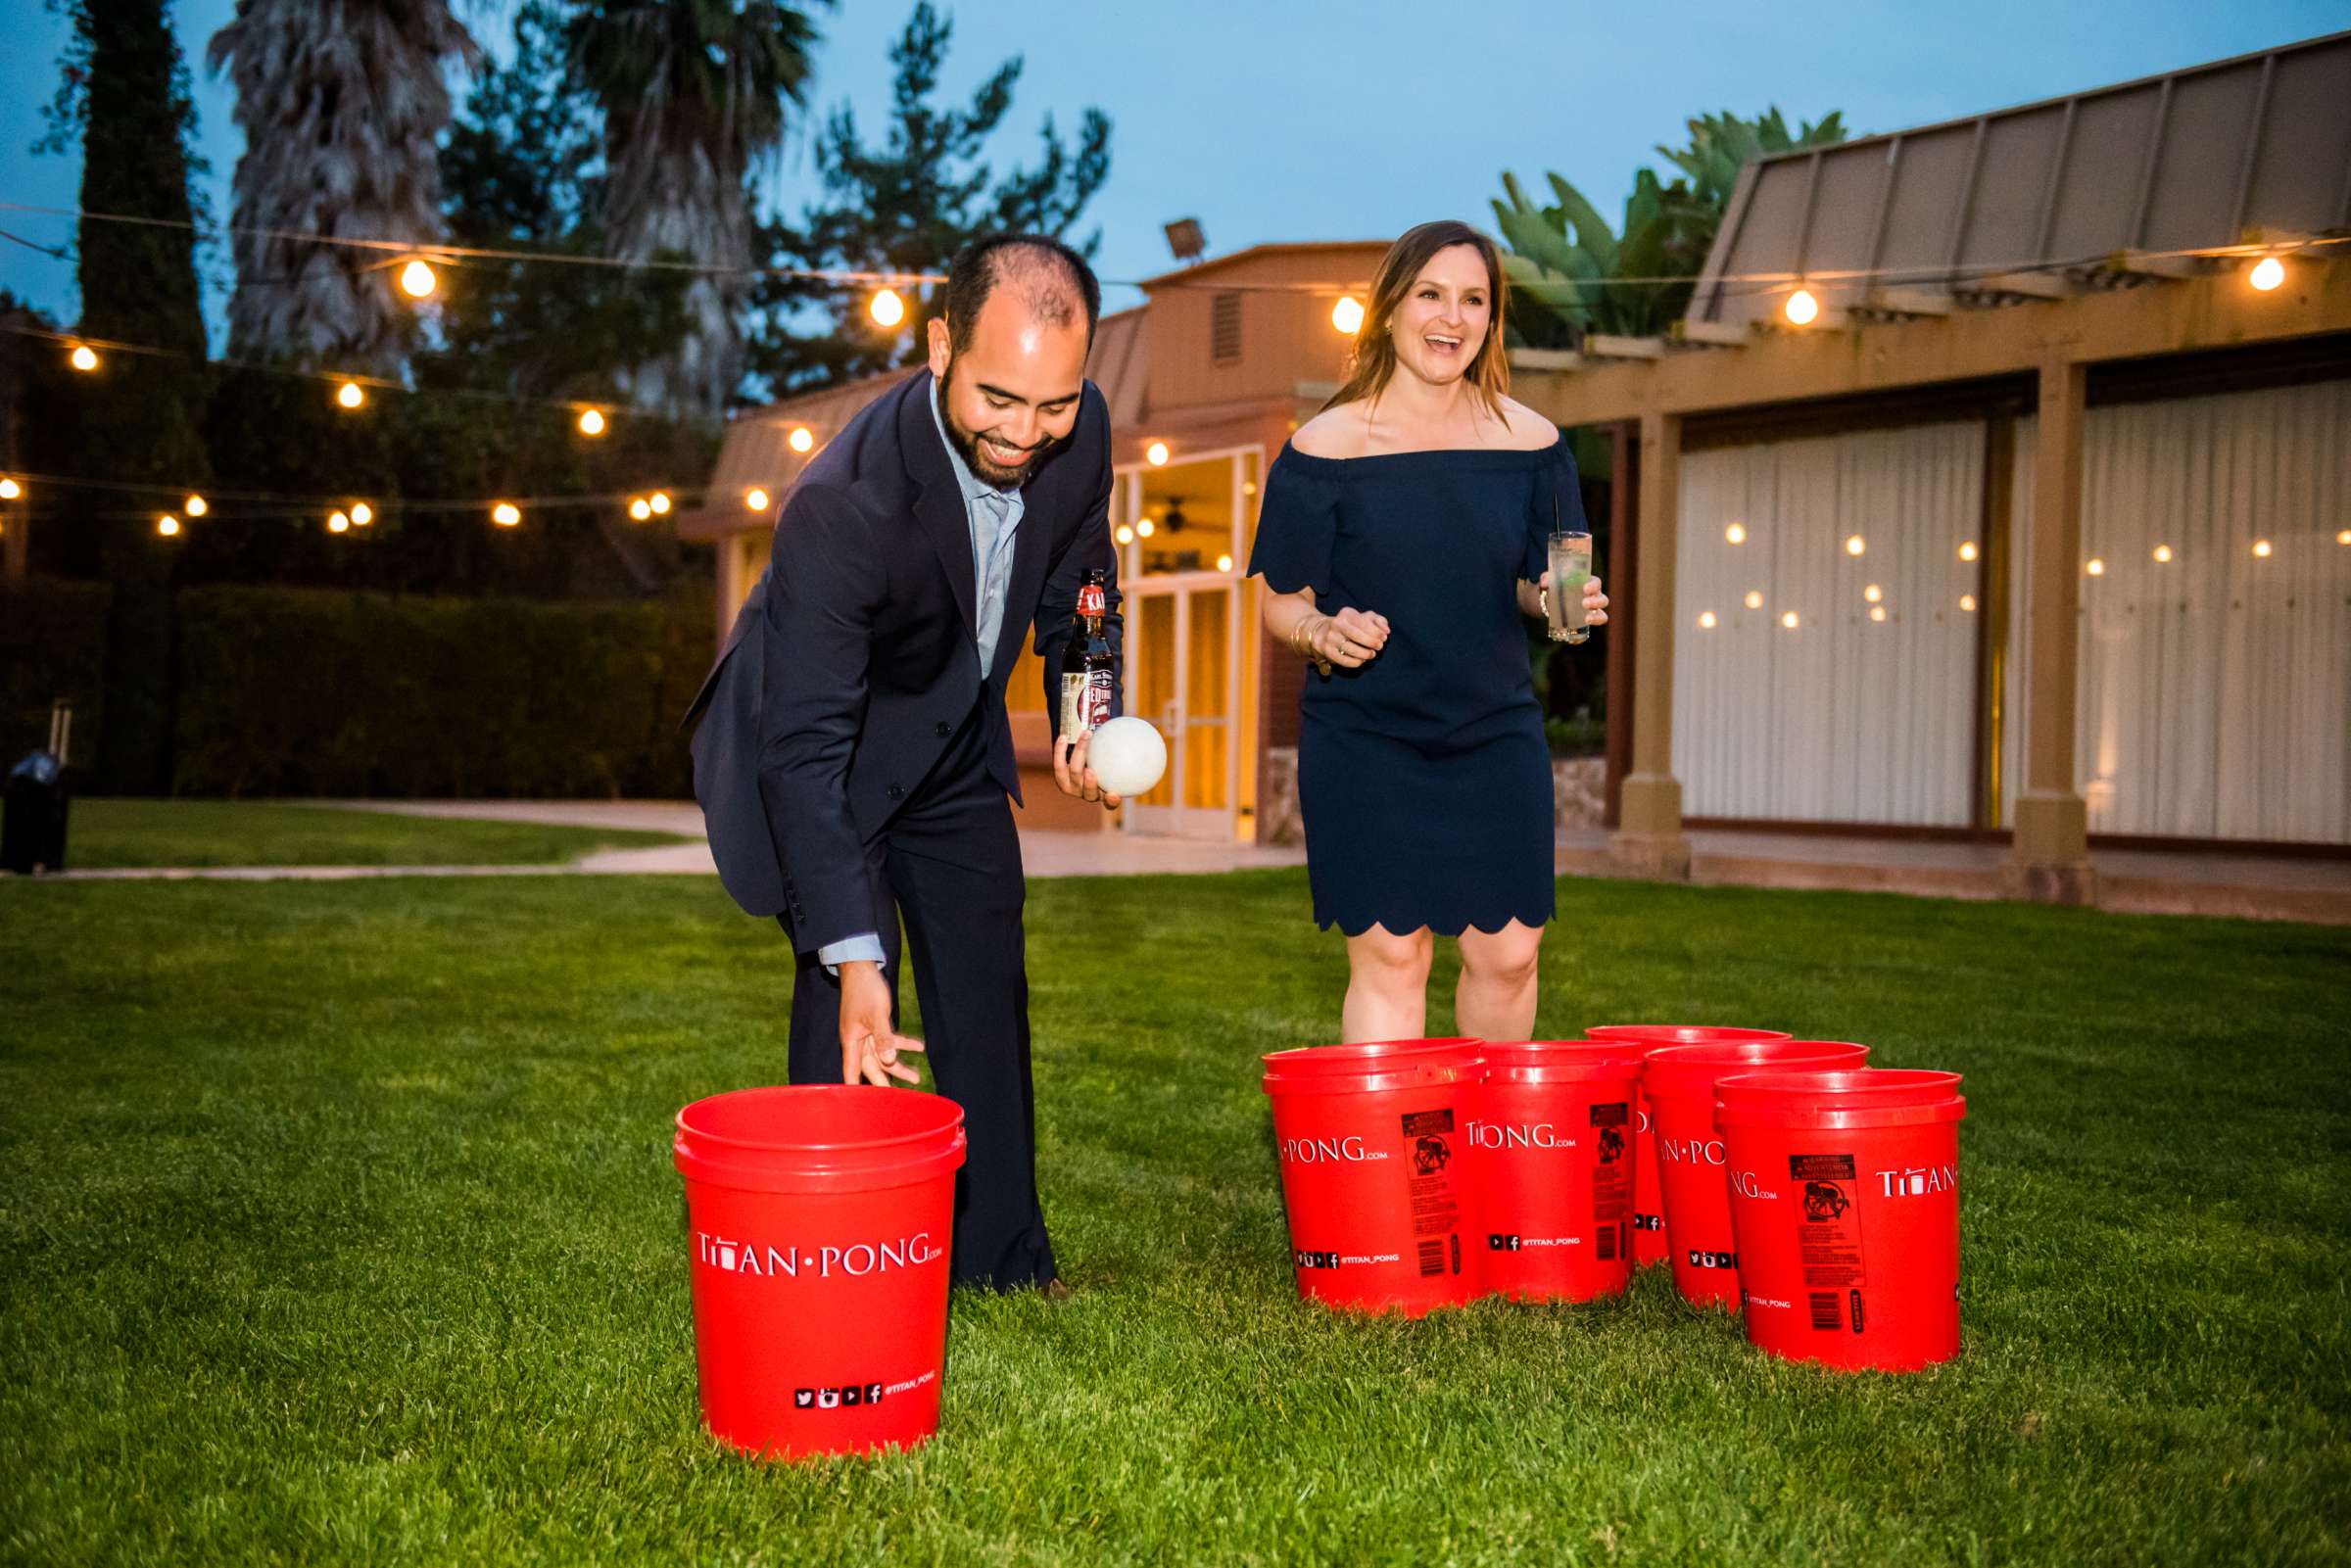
[[1842, 717], [2215, 694]]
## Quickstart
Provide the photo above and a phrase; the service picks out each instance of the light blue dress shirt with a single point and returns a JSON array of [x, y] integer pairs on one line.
[[994, 516]]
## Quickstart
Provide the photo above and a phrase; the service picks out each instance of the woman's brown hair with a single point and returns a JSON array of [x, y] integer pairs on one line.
[[1374, 362]]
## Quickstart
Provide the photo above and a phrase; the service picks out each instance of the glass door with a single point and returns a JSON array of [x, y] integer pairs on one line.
[[1181, 655]]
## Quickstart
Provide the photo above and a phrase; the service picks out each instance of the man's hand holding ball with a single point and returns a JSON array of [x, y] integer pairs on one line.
[[1120, 758]]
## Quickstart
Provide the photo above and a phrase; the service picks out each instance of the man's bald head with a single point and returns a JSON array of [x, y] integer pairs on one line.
[[1051, 281]]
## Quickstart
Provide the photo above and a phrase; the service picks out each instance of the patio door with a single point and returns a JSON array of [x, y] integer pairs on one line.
[[1182, 675]]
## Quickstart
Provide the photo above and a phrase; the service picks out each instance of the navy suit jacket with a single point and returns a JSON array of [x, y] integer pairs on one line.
[[853, 661]]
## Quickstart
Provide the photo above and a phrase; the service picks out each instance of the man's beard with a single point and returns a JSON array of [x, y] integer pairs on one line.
[[968, 444]]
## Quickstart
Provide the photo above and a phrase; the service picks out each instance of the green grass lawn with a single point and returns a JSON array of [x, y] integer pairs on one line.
[[102, 834], [337, 1222]]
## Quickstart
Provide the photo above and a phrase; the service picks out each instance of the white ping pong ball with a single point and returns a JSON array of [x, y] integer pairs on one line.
[[1127, 755]]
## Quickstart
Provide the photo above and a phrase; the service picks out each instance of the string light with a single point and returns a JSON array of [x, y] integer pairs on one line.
[[1877, 612], [361, 515], [1755, 598], [1789, 620], [1347, 316], [1873, 593], [2096, 567], [168, 526], [1856, 544], [350, 394], [1224, 564], [1801, 307], [886, 308], [1156, 454], [83, 358], [2343, 536], [755, 500], [640, 508], [506, 515], [2268, 274], [658, 500], [2261, 549], [1146, 529], [1967, 551], [1967, 603], [1705, 620], [10, 490], [195, 507], [801, 438], [339, 522], [1126, 535], [591, 421], [1735, 533], [2163, 553], [417, 280]]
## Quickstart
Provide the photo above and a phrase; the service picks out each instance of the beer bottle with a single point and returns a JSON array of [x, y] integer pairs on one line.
[[1089, 671]]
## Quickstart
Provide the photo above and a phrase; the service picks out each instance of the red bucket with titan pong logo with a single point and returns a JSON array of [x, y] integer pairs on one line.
[[1844, 1196], [1679, 1082], [1651, 1243], [1372, 1141], [819, 1219], [1552, 1178]]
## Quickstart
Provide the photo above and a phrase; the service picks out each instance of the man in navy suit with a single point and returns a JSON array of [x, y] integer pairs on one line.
[[854, 761]]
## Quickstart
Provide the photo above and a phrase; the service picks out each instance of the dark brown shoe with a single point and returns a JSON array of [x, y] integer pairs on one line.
[[1053, 1290]]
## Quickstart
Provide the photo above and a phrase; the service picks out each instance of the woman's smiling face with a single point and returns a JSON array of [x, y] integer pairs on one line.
[[1444, 317]]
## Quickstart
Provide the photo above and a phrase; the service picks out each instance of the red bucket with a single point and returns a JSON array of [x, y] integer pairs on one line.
[[1680, 1083], [820, 1218], [1551, 1174], [1371, 1141], [1650, 1244], [1844, 1195]]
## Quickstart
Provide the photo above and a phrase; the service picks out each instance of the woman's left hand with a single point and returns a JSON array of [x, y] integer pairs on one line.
[[1596, 604]]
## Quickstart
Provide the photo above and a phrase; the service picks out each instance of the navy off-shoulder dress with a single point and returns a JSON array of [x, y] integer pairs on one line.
[[1423, 776]]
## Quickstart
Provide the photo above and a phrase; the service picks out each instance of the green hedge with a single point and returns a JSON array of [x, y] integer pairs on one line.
[[52, 644], [301, 691]]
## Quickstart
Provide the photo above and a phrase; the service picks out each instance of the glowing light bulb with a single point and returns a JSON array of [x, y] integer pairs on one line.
[[886, 308], [1126, 535], [1877, 612], [2163, 552], [83, 356], [361, 515], [417, 281], [591, 421], [1789, 620], [658, 500], [506, 515], [1755, 598], [1705, 620], [1146, 529], [194, 506], [1801, 307], [755, 499], [1873, 593], [1856, 544], [10, 490], [338, 522], [1348, 315], [1967, 551], [1156, 454], [640, 509], [2096, 567], [1967, 603], [2268, 274], [1735, 533], [2261, 549], [2343, 536], [1224, 564], [801, 438], [168, 526], [1248, 487], [350, 394]]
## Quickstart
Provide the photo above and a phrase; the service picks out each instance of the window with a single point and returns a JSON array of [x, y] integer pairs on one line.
[[1224, 328]]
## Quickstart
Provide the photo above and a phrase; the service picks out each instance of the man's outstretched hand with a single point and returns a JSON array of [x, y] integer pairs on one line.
[[1072, 776], [869, 1046]]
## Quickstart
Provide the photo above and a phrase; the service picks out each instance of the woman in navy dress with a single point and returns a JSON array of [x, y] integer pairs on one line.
[[1403, 536]]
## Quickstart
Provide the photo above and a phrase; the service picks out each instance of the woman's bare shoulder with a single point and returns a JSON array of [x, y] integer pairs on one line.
[[1334, 432], [1529, 430]]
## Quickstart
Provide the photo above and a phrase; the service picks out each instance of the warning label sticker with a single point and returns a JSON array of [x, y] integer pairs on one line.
[[1611, 1180], [1433, 1188], [1828, 1232]]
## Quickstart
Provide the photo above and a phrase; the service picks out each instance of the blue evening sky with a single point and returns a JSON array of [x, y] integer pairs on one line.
[[1300, 121]]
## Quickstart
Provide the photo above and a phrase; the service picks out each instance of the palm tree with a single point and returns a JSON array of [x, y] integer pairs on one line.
[[695, 93], [341, 101]]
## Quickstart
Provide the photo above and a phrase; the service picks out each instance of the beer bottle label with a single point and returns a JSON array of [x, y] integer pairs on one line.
[[1090, 599], [1084, 703]]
